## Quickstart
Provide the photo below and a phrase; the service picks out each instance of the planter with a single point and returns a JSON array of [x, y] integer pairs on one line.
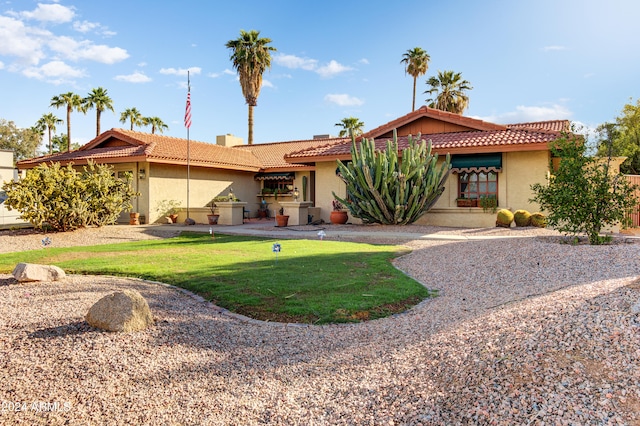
[[263, 213], [339, 217], [173, 218], [134, 218], [213, 219], [467, 202], [282, 220]]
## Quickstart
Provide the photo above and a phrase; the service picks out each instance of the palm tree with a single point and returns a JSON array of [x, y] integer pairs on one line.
[[156, 124], [133, 116], [99, 100], [417, 63], [350, 126], [71, 101], [449, 90], [250, 56], [48, 122]]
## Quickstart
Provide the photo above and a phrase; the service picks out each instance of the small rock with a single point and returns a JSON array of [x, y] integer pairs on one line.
[[124, 310], [189, 221], [33, 272], [635, 309]]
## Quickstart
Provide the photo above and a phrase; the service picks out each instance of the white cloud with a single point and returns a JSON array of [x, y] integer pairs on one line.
[[136, 77], [267, 83], [56, 72], [364, 61], [343, 99], [307, 64], [180, 71], [1, 65], [20, 41], [86, 26], [85, 49], [525, 114], [553, 48], [332, 68], [292, 61], [229, 72], [50, 13]]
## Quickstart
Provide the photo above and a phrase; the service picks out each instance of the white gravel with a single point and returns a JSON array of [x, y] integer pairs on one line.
[[524, 331]]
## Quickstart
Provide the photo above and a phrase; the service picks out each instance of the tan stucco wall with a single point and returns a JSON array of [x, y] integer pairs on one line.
[[168, 182], [519, 171]]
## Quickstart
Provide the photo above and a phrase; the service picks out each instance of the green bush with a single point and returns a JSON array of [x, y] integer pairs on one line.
[[63, 198], [504, 218], [538, 220], [522, 218]]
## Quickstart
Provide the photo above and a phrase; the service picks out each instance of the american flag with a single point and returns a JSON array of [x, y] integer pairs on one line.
[[187, 112]]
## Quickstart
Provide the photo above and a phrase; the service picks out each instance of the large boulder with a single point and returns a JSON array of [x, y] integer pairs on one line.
[[124, 310], [34, 272]]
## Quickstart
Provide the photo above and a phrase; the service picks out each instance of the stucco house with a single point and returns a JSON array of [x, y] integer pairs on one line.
[[487, 159]]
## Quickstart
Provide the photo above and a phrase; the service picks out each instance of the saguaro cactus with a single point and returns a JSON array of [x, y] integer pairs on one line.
[[388, 188]]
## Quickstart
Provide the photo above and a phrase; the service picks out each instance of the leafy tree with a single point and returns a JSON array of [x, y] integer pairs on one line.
[[71, 101], [351, 126], [624, 135], [384, 187], [448, 92], [49, 122], [584, 194], [99, 100], [24, 142], [416, 62], [133, 116], [250, 56], [156, 124], [61, 144], [63, 198]]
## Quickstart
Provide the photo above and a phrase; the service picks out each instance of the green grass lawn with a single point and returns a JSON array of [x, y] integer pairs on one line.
[[311, 281]]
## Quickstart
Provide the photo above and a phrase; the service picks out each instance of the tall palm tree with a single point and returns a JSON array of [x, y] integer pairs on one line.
[[250, 57], [351, 126], [131, 115], [99, 100], [449, 90], [416, 62], [71, 101], [49, 122], [156, 124]]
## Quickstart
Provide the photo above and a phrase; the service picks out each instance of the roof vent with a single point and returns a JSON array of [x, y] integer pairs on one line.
[[322, 136]]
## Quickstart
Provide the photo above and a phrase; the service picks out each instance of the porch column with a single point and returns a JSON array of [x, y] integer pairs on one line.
[[231, 212], [298, 211]]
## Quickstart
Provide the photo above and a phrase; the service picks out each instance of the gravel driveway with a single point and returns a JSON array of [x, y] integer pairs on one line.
[[525, 331]]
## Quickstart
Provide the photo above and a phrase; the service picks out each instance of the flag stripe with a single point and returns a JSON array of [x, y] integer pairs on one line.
[[187, 112]]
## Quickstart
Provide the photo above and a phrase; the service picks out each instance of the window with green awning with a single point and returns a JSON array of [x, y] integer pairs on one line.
[[476, 163]]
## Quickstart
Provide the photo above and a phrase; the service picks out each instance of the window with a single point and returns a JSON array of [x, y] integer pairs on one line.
[[280, 185], [474, 185]]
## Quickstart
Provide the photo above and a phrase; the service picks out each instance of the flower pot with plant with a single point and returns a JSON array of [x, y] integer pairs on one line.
[[168, 209], [213, 217], [467, 202], [339, 215], [263, 209], [489, 203], [282, 220]]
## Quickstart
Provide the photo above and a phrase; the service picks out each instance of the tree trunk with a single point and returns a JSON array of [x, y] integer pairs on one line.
[[97, 122], [250, 138], [413, 105], [68, 128]]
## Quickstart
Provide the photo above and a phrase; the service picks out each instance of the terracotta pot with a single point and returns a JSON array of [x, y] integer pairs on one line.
[[282, 220], [339, 217], [134, 218], [213, 219], [467, 202], [173, 218]]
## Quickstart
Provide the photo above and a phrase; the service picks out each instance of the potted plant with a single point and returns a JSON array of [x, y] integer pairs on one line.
[[169, 210], [281, 219], [339, 215], [213, 216], [263, 209], [467, 202], [489, 203]]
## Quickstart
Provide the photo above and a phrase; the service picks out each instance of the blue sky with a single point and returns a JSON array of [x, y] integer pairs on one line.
[[526, 60]]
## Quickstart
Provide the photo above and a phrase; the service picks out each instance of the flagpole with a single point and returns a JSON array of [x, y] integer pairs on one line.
[[187, 123]]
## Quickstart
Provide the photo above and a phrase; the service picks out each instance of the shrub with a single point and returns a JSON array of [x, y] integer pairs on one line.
[[504, 218], [538, 220], [522, 218], [63, 198]]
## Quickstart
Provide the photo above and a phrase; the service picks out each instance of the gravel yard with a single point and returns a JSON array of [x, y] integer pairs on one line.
[[524, 331]]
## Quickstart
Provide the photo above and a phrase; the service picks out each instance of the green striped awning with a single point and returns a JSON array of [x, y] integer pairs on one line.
[[476, 163]]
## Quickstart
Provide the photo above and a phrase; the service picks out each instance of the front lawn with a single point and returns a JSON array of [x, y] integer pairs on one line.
[[311, 281]]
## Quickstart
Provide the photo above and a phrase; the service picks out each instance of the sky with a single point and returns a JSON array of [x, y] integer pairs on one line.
[[526, 61]]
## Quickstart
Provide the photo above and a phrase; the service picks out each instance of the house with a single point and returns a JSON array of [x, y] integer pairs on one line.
[[8, 218], [487, 159]]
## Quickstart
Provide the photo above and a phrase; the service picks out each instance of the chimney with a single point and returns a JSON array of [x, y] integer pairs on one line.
[[228, 140]]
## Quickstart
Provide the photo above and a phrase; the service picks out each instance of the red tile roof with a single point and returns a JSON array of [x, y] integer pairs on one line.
[[436, 114], [271, 155], [139, 146], [534, 136], [554, 125]]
